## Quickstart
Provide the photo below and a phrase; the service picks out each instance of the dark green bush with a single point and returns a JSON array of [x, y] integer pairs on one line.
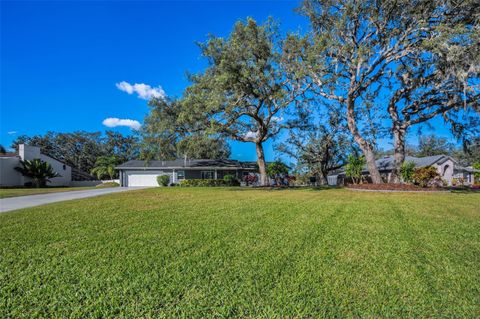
[[163, 180], [231, 180], [204, 183]]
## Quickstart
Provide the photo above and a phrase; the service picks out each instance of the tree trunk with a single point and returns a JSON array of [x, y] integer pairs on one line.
[[399, 154], [262, 167], [363, 144]]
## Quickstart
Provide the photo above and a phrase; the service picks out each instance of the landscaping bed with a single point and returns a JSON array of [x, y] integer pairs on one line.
[[394, 187]]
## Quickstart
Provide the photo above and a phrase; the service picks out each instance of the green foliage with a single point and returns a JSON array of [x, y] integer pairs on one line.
[[231, 180], [163, 180], [407, 170], [167, 135], [354, 168], [477, 175], [433, 145], [105, 167], [2, 150], [277, 167], [205, 183], [39, 171], [426, 176], [82, 149]]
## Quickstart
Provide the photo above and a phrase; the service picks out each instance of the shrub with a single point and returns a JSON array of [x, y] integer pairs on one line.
[[231, 180], [426, 176], [406, 171], [354, 168], [39, 171], [163, 180], [204, 183], [250, 179]]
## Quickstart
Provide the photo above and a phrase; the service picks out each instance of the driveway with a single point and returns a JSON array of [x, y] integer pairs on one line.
[[13, 203]]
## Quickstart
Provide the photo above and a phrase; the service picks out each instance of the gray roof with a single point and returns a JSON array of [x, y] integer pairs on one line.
[[386, 163], [189, 163]]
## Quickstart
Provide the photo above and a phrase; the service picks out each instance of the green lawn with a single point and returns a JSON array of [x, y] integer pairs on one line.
[[14, 192], [200, 253]]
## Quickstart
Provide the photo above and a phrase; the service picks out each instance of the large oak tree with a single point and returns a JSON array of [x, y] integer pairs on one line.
[[244, 92]]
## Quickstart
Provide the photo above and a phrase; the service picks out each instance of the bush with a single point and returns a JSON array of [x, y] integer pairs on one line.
[[204, 183], [231, 180], [427, 176], [163, 180], [406, 171]]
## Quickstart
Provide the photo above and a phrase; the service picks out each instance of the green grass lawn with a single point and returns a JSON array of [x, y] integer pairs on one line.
[[200, 253], [14, 192]]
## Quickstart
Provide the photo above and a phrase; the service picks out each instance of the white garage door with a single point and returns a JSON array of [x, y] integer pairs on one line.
[[144, 178]]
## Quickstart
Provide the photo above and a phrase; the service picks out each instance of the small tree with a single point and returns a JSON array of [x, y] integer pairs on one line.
[[407, 170], [163, 180], [276, 168], [39, 171], [354, 168], [105, 166]]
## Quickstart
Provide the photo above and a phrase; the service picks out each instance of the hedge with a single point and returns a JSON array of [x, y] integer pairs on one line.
[[207, 183]]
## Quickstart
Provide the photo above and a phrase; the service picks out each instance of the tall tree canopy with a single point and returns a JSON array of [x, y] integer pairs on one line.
[[354, 46], [166, 135], [244, 92]]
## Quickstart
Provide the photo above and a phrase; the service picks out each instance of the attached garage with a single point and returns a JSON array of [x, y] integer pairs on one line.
[[137, 173], [144, 178]]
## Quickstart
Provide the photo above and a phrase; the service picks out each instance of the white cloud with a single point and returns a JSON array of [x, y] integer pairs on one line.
[[144, 91], [277, 119], [114, 122], [12, 132], [251, 135]]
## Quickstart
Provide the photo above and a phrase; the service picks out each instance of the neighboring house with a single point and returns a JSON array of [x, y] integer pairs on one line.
[[9, 177], [144, 173], [447, 167]]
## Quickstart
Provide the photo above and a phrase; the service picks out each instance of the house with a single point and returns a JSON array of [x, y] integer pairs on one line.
[[9, 177], [447, 167], [144, 173]]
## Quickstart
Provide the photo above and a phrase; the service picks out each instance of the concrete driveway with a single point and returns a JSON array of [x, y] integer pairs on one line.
[[13, 203]]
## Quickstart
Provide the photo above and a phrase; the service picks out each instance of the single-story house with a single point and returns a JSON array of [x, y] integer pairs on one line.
[[447, 167], [144, 173], [9, 177]]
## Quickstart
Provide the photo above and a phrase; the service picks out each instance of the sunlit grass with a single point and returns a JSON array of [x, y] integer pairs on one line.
[[199, 253]]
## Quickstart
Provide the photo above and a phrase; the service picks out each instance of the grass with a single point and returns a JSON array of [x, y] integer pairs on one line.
[[15, 192], [199, 253]]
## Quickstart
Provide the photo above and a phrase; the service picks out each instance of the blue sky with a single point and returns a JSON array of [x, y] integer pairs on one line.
[[61, 61]]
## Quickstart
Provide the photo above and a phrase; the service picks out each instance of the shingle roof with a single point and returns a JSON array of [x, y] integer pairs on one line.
[[181, 163]]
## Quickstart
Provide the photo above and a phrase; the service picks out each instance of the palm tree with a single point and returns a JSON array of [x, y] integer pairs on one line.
[[39, 171], [105, 166]]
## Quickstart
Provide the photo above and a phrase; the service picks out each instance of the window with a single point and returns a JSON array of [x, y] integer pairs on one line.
[[207, 174], [181, 175], [246, 173], [64, 167]]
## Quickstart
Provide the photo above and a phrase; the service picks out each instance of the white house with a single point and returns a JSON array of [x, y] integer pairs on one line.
[[10, 177]]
